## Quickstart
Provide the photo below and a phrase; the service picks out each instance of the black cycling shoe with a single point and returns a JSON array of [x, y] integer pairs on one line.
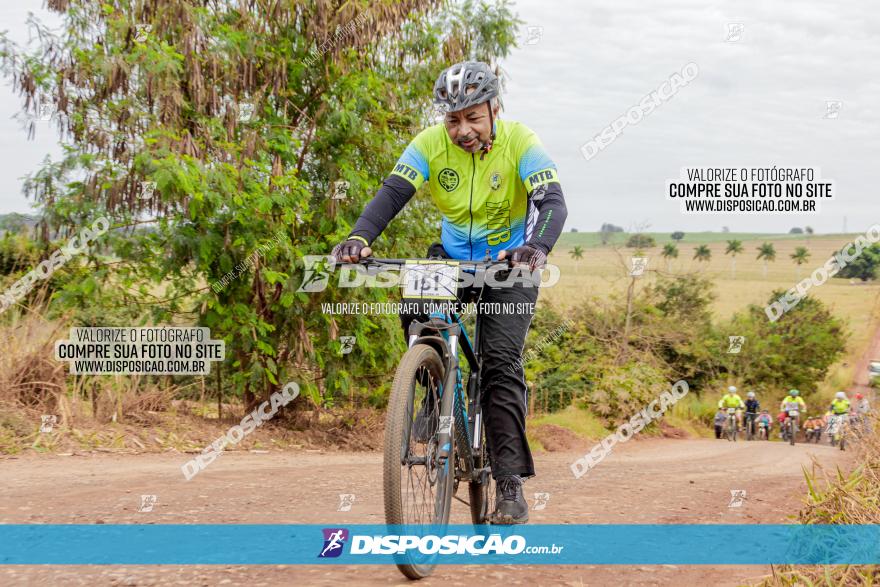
[[510, 505]]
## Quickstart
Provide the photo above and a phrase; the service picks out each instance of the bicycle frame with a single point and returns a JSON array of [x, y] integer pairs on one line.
[[447, 335]]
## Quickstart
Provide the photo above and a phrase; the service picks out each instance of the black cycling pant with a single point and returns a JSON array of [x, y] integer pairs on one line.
[[502, 380]]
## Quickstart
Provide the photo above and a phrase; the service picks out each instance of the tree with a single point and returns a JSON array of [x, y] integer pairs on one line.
[[14, 223], [864, 266], [702, 254], [767, 252], [795, 351], [576, 253], [641, 241], [796, 230], [670, 252], [241, 113], [607, 231], [725, 229], [734, 248], [800, 256], [573, 229], [677, 235]]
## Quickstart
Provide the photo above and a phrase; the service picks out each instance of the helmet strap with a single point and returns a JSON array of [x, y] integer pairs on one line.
[[487, 146]]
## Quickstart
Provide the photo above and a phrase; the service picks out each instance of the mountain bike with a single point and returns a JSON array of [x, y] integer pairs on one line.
[[763, 431], [837, 430], [434, 433], [750, 425], [730, 427], [790, 427]]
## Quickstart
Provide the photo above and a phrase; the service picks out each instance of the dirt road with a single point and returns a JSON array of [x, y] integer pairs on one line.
[[643, 481]]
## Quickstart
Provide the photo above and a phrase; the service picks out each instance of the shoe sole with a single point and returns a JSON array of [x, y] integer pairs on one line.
[[506, 520]]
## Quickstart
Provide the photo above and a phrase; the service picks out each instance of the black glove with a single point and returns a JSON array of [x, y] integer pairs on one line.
[[349, 249], [526, 255]]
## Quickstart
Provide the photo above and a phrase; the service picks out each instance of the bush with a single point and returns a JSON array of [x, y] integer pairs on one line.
[[641, 241]]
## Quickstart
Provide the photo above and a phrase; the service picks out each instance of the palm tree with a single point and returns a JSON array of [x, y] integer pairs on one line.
[[734, 248], [670, 252], [767, 252], [702, 253], [577, 253], [800, 256]]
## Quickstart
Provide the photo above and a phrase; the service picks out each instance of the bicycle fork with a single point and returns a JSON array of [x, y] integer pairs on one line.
[[452, 415]]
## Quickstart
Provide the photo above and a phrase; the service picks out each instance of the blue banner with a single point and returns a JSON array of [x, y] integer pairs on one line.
[[557, 544]]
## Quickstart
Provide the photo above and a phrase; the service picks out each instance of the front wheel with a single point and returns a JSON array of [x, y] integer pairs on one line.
[[481, 492], [792, 432], [418, 487]]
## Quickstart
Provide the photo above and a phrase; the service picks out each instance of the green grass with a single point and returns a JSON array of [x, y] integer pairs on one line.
[[583, 423], [594, 239]]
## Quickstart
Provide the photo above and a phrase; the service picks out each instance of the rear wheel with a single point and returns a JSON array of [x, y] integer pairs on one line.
[[418, 487]]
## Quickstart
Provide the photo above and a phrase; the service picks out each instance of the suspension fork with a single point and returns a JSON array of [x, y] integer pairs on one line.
[[447, 400]]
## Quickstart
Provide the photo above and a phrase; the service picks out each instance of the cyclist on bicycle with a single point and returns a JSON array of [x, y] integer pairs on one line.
[[793, 397], [498, 192], [862, 406], [839, 409], [793, 401], [840, 404], [731, 399], [752, 407]]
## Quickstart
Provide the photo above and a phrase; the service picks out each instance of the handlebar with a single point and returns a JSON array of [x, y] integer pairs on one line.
[[476, 265]]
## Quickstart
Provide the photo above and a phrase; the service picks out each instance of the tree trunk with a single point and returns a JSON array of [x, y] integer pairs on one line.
[[629, 298], [219, 395]]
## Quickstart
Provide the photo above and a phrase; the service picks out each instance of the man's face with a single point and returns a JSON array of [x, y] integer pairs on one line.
[[470, 128]]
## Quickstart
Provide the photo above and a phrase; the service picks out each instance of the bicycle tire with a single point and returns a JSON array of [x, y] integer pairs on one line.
[[793, 433], [482, 495], [399, 441]]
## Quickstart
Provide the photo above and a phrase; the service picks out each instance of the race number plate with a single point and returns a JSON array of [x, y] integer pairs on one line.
[[793, 413], [731, 410], [436, 280]]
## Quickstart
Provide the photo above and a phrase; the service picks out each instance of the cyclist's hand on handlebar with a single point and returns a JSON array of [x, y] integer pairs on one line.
[[524, 255], [352, 250]]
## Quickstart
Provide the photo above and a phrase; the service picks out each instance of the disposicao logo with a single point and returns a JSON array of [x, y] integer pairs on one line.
[[334, 540]]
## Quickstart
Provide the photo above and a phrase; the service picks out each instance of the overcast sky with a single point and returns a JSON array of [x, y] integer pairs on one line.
[[758, 101]]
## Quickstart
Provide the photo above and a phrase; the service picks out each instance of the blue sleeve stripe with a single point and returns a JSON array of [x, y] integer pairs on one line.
[[533, 160], [416, 160]]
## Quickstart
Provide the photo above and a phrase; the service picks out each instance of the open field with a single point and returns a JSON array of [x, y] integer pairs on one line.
[[603, 272], [593, 239]]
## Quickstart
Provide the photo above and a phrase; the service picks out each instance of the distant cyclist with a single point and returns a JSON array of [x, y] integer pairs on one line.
[[840, 404], [793, 401], [862, 411], [731, 399], [498, 192], [752, 407], [862, 407], [839, 410]]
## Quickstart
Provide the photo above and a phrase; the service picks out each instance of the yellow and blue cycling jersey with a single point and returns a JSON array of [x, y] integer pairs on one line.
[[488, 202], [731, 400], [798, 400], [840, 406]]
